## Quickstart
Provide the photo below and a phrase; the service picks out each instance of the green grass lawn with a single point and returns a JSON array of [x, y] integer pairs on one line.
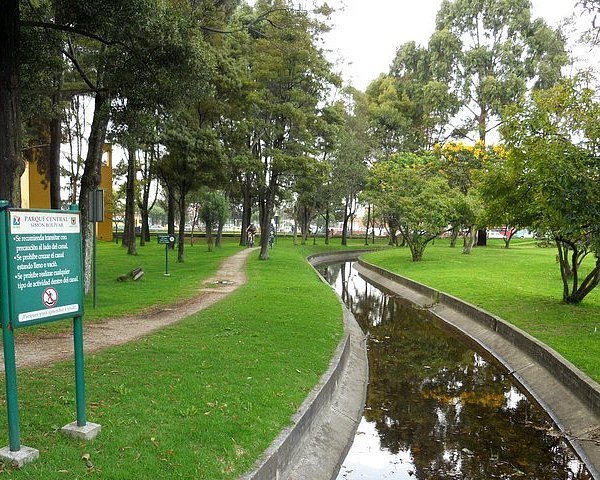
[[119, 298], [116, 298], [204, 398], [200, 399], [521, 285]]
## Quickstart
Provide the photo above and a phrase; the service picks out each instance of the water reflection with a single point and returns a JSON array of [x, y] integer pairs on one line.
[[436, 409]]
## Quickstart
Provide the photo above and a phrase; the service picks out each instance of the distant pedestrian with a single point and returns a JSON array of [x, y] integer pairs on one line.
[[250, 234]]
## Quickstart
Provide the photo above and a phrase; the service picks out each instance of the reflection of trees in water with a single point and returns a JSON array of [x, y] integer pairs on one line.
[[430, 395]]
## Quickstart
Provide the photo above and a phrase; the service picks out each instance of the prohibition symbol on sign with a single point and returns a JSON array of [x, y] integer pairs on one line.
[[50, 297]]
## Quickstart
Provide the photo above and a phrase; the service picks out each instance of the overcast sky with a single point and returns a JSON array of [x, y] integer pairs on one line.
[[366, 34]]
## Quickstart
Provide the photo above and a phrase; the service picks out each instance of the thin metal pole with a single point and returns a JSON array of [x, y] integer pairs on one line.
[[79, 371], [167, 259], [94, 263], [10, 367]]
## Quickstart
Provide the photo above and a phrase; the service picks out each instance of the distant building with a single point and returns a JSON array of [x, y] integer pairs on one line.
[[35, 190]]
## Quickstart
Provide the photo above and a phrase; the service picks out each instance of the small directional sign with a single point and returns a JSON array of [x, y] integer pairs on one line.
[[165, 239]]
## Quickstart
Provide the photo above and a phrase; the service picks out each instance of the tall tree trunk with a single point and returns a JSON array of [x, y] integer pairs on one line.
[[367, 227], [267, 205], [55, 141], [209, 236], [145, 200], [482, 237], [327, 226], [246, 209], [219, 239], [91, 178], [181, 240], [129, 237], [11, 162], [171, 204], [469, 240], [305, 224], [454, 236], [345, 225], [373, 223]]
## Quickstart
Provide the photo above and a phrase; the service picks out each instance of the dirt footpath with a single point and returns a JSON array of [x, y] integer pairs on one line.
[[37, 350]]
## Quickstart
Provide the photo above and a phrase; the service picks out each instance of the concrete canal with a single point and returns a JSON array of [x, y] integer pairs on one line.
[[436, 409]]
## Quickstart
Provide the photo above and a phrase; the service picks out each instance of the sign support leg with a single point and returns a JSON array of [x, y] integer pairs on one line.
[[79, 371], [15, 453], [94, 263], [167, 260], [80, 428], [12, 403]]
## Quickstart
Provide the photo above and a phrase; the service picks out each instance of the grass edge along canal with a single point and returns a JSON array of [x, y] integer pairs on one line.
[[521, 285], [200, 399]]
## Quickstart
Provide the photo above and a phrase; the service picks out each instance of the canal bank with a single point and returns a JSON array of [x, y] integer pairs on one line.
[[322, 430], [312, 447], [569, 397]]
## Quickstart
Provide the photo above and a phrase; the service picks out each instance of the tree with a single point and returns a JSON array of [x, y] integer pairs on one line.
[[11, 163], [506, 198], [350, 159], [462, 166], [308, 185], [420, 200], [291, 77], [214, 209], [411, 106], [498, 49], [192, 161], [554, 141]]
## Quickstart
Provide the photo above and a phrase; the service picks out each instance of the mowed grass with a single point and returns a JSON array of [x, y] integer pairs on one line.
[[201, 399], [521, 284], [154, 288]]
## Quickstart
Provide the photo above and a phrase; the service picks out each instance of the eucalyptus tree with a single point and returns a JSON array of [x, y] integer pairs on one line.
[[554, 145], [497, 51]]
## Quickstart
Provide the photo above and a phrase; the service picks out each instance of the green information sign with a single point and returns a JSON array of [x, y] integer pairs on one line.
[[165, 239], [44, 266], [40, 281]]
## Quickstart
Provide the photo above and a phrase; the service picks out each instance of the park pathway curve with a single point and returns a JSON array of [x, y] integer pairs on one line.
[[39, 350]]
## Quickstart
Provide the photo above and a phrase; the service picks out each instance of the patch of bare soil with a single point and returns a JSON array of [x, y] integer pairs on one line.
[[38, 350]]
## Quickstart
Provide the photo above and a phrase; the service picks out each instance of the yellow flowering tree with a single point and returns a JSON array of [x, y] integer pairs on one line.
[[463, 167]]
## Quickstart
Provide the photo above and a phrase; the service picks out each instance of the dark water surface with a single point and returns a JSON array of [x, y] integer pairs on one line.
[[437, 409]]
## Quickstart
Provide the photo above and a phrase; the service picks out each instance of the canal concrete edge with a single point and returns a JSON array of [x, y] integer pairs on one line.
[[569, 397], [322, 430]]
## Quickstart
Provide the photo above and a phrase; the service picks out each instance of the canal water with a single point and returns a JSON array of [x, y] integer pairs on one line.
[[436, 409]]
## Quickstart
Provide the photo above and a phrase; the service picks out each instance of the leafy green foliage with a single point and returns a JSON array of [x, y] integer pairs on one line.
[[418, 200], [554, 139], [496, 50]]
